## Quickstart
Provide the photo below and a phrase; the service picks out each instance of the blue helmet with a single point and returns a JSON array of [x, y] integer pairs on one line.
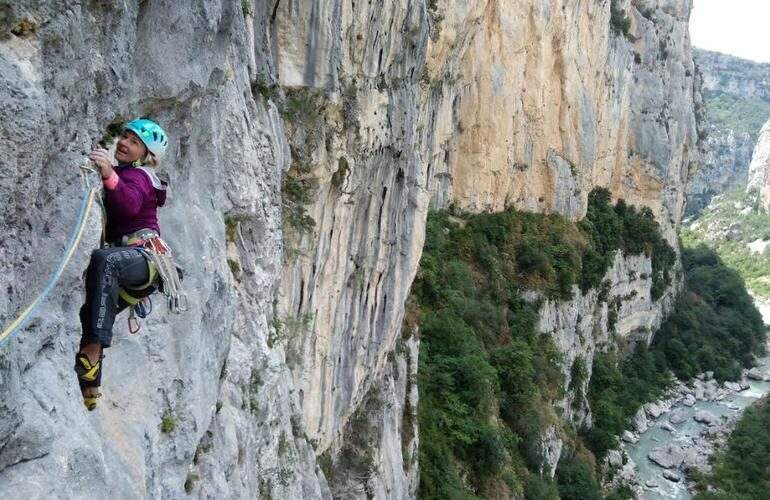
[[151, 134]]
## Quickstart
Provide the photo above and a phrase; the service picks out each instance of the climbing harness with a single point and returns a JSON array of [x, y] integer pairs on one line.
[[162, 268], [88, 200], [163, 271]]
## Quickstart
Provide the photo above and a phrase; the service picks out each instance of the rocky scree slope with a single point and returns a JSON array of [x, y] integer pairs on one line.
[[736, 102], [310, 140]]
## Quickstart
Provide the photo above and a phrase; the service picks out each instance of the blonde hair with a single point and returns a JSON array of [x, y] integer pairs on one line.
[[151, 160]]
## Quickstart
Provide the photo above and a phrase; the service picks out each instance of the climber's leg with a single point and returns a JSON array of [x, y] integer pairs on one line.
[[109, 269]]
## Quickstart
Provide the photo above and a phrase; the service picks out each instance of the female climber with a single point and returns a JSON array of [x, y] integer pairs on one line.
[[132, 195]]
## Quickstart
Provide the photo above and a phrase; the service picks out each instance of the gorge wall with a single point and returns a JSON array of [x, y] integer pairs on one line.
[[736, 102], [759, 168], [310, 140]]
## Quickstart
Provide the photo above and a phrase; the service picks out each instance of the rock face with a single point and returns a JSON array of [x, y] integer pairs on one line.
[[292, 358], [584, 324], [760, 166], [478, 110], [732, 89], [576, 106], [733, 75], [234, 429]]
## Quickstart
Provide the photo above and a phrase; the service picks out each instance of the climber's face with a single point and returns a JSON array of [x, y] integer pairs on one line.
[[130, 148]]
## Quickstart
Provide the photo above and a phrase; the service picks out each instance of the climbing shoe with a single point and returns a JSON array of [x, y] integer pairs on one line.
[[89, 375]]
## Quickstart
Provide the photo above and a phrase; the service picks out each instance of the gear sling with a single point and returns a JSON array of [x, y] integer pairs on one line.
[[162, 270]]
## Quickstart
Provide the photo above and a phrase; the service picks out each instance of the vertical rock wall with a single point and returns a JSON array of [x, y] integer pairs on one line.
[[480, 105], [736, 102], [67, 70], [550, 100], [759, 169], [369, 110]]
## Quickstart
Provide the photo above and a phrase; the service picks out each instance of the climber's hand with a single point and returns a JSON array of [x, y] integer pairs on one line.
[[101, 157]]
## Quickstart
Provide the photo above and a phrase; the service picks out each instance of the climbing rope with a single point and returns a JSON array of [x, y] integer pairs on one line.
[[88, 201]]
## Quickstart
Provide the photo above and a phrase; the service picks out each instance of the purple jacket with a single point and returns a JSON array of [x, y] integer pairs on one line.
[[132, 203]]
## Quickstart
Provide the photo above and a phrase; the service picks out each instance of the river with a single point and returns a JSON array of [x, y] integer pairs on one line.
[[650, 473]]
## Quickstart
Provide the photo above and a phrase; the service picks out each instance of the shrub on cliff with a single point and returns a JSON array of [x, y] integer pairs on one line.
[[576, 480], [488, 379], [625, 228], [619, 21], [483, 369], [617, 389], [715, 325]]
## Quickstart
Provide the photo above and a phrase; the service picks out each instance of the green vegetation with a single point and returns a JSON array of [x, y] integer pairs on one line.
[[729, 224], [235, 267], [741, 115], [26, 26], [619, 21], [261, 86], [303, 106], [617, 389], [189, 483], [576, 481], [487, 377], [742, 470], [623, 227], [111, 132], [480, 350], [290, 327], [297, 192], [231, 228], [167, 423], [714, 326], [248, 10]]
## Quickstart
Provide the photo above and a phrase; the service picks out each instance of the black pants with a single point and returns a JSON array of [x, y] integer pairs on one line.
[[109, 269]]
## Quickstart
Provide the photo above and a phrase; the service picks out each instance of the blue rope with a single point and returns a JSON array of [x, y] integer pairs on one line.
[[22, 320]]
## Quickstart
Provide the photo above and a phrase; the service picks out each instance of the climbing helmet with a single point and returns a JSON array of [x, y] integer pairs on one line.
[[151, 134]]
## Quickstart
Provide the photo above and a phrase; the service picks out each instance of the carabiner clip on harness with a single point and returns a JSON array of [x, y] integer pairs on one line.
[[163, 271]]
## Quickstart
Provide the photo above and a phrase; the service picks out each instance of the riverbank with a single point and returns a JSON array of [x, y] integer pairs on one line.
[[672, 436]]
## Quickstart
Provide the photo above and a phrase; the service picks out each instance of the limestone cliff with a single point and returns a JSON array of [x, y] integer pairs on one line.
[[736, 102], [310, 139], [68, 70], [760, 167], [481, 106], [552, 100]]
